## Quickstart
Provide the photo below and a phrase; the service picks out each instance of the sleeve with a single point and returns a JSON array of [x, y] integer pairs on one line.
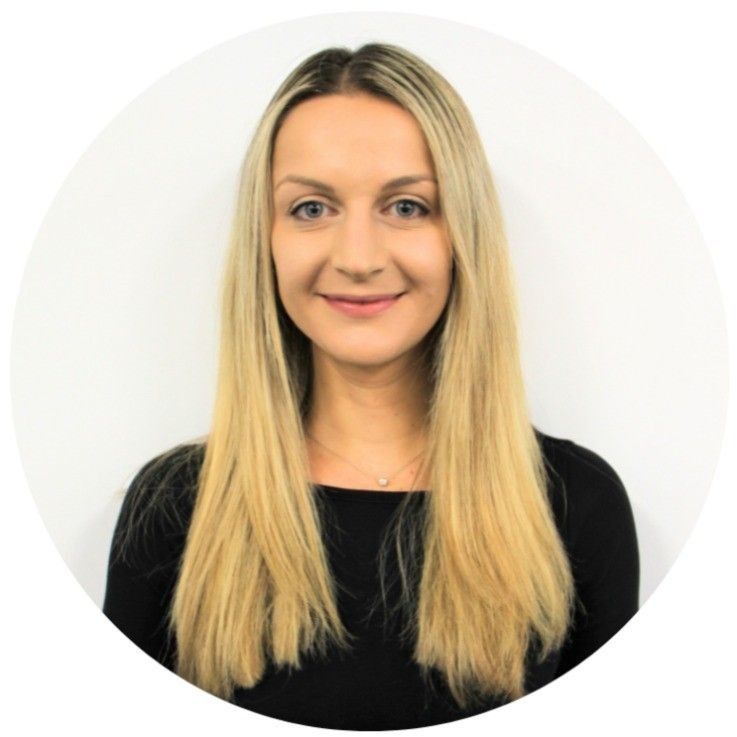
[[142, 569], [604, 556]]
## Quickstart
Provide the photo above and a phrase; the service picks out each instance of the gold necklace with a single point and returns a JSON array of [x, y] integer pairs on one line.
[[382, 480]]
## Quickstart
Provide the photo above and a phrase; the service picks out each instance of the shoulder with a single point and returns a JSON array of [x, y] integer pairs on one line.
[[168, 480], [587, 493], [158, 502], [174, 468]]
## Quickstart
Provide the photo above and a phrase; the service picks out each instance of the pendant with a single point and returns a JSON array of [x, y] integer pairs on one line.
[[383, 482]]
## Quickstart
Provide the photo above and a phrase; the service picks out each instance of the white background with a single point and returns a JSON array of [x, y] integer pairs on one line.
[[114, 345], [74, 68]]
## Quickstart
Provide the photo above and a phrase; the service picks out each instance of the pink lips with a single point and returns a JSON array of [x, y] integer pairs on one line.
[[361, 309]]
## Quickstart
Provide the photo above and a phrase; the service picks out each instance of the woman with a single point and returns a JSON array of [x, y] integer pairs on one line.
[[372, 535]]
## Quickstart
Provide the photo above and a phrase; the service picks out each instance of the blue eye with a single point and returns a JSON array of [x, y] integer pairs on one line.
[[423, 210], [312, 203], [304, 204]]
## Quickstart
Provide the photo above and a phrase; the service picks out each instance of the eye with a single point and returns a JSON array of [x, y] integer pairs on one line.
[[417, 205], [310, 206], [312, 203]]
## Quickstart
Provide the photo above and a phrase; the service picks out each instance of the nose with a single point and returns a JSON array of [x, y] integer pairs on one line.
[[358, 248]]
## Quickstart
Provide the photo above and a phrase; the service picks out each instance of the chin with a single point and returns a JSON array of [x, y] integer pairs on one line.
[[361, 356]]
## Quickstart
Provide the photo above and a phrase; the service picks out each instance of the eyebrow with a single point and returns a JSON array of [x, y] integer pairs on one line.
[[327, 189]]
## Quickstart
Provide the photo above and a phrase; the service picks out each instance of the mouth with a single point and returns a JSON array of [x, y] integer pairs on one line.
[[362, 306], [363, 298]]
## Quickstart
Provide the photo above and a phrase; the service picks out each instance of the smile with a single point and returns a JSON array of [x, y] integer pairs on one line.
[[362, 309]]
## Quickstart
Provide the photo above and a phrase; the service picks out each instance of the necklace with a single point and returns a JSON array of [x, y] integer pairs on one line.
[[382, 480]]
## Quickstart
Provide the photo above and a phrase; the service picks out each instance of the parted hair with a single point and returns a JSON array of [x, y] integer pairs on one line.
[[484, 579]]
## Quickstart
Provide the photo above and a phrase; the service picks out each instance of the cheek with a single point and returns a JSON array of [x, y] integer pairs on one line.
[[431, 268], [294, 273]]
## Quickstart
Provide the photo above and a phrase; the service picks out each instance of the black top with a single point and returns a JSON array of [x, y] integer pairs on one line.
[[377, 686]]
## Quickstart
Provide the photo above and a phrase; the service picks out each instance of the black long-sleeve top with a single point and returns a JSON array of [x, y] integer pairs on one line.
[[378, 686]]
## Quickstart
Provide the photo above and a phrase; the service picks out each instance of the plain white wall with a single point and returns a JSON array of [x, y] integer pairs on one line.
[[114, 344]]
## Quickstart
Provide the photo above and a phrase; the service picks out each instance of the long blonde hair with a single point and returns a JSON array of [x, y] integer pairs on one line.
[[484, 572]]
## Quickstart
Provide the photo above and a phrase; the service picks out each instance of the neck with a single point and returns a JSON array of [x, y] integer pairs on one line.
[[381, 412]]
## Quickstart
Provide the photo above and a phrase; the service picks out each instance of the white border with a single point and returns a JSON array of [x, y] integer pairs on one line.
[[71, 67]]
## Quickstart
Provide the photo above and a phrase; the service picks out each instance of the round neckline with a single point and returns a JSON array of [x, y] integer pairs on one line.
[[341, 492]]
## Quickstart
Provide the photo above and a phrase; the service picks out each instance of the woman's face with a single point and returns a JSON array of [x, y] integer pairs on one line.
[[352, 231]]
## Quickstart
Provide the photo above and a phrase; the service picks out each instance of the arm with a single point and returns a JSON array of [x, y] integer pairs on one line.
[[143, 564], [604, 556]]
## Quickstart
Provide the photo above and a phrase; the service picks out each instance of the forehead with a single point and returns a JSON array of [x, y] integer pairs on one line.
[[340, 132]]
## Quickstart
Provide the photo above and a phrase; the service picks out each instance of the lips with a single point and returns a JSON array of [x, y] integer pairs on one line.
[[362, 299], [361, 306]]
